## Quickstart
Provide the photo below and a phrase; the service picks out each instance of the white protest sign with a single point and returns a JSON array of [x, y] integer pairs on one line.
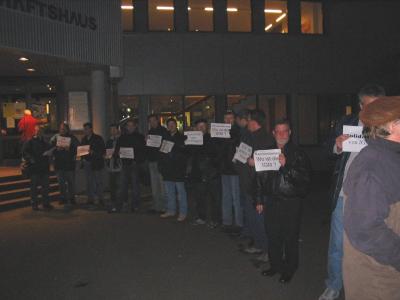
[[126, 153], [63, 142], [356, 142], [243, 152], [220, 130], [267, 160], [154, 141], [109, 153], [166, 146], [82, 150], [194, 138]]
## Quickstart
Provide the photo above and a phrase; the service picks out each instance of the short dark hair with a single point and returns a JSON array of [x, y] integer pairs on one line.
[[282, 121], [229, 112], [65, 124], [200, 121], [171, 120], [88, 124], [153, 116], [133, 121], [373, 90], [258, 116], [243, 113]]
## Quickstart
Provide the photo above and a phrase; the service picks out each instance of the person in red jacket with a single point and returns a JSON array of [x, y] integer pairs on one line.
[[27, 125]]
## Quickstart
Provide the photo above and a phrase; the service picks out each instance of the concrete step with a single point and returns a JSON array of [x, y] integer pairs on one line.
[[20, 184], [23, 202], [22, 192]]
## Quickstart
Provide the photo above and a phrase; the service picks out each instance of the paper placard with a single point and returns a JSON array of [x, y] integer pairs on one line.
[[126, 153], [267, 160], [109, 153], [220, 130], [154, 141], [356, 142], [166, 146], [243, 153], [194, 138], [10, 122], [82, 150], [63, 142]]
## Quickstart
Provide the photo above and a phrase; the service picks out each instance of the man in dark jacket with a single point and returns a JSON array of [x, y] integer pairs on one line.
[[113, 165], [64, 154], [279, 196], [93, 164], [35, 154], [131, 139], [173, 169], [334, 282], [153, 156], [203, 179]]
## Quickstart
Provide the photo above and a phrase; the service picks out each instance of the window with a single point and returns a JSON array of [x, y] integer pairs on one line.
[[238, 102], [239, 15], [161, 15], [274, 107], [128, 107], [199, 107], [311, 17], [168, 107], [201, 15], [127, 15], [276, 16]]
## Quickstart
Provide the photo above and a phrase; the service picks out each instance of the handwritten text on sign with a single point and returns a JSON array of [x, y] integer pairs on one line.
[[194, 138], [356, 142], [82, 150], [154, 141], [63, 142], [267, 160], [220, 130], [166, 146], [243, 153], [126, 153]]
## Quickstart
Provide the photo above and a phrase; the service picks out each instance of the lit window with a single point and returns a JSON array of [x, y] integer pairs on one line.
[[276, 16], [311, 17], [237, 103], [168, 107], [200, 15], [199, 107], [274, 107], [127, 15], [239, 15], [161, 15]]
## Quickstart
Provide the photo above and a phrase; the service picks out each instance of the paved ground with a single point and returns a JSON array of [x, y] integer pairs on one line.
[[94, 255]]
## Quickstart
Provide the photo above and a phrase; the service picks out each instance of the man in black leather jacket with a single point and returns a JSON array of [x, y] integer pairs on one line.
[[279, 196]]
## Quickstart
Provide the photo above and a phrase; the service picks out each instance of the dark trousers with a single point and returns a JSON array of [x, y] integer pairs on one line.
[[282, 225], [114, 184], [41, 180], [129, 175], [207, 203], [66, 180]]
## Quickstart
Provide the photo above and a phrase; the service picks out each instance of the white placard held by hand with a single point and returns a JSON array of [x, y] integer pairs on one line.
[[194, 138], [63, 142], [356, 142], [267, 160], [243, 153], [109, 153], [154, 141], [220, 130], [126, 153], [166, 146], [82, 150]]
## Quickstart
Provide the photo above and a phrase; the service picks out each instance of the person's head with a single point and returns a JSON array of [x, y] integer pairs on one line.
[[172, 125], [382, 118], [131, 125], [369, 94], [282, 132], [27, 112], [242, 118], [114, 130], [153, 120], [229, 117], [88, 129], [64, 128], [201, 125], [37, 131], [256, 120]]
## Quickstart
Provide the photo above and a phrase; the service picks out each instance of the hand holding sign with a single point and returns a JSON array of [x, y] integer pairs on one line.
[[166, 146], [154, 141], [220, 130], [356, 141], [243, 153], [63, 142], [194, 138], [83, 150], [267, 160], [126, 153], [109, 153]]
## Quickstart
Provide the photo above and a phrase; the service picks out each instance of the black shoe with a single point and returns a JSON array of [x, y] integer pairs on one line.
[[269, 272], [48, 207], [285, 278]]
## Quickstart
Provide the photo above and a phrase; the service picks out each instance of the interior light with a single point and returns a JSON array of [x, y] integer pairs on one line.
[[232, 9], [31, 70], [165, 7], [23, 59], [208, 8], [272, 11], [169, 29], [280, 18], [127, 7], [47, 108], [268, 27], [189, 8]]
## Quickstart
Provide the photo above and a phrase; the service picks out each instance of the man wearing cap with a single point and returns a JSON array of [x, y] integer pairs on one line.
[[371, 262]]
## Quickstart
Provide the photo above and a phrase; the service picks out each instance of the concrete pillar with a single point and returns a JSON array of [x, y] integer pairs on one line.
[[181, 15], [258, 16], [220, 107], [220, 16], [98, 102], [143, 113], [141, 16], [294, 17]]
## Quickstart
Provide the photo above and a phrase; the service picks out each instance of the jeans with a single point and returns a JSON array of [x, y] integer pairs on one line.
[[231, 199], [157, 187], [94, 182], [335, 251], [255, 224], [173, 189], [129, 174], [36, 181], [66, 180]]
